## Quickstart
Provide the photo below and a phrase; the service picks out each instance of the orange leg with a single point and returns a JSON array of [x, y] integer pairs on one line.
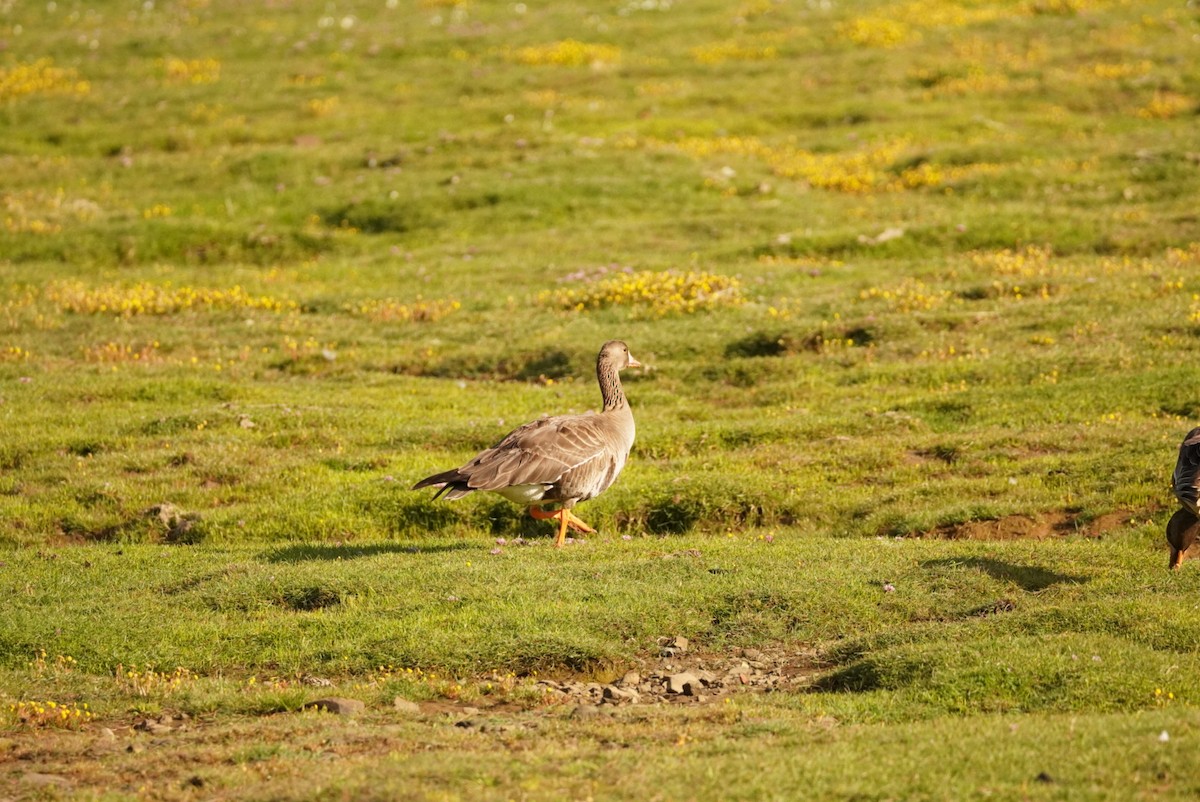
[[575, 523], [565, 518]]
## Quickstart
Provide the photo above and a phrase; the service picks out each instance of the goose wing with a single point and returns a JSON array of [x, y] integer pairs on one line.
[[540, 452]]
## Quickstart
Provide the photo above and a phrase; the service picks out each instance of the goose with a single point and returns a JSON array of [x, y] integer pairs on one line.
[[1184, 525], [551, 464]]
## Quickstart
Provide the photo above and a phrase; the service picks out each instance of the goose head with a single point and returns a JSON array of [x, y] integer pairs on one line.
[[1182, 530], [615, 354]]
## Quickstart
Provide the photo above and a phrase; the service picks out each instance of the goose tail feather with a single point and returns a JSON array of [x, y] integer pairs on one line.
[[450, 483]]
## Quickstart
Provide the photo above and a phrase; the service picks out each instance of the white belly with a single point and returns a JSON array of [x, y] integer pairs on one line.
[[525, 494]]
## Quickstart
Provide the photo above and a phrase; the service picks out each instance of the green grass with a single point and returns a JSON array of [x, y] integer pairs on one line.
[[267, 269]]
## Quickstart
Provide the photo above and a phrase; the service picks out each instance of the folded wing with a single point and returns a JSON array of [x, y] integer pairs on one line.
[[542, 452], [1187, 471]]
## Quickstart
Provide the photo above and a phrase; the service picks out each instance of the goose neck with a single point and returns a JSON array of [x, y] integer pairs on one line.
[[610, 386]]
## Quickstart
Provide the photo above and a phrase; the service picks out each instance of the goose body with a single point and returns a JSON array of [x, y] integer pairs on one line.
[[551, 464], [1184, 526]]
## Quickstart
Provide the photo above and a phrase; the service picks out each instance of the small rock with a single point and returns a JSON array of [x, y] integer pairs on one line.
[[469, 724], [882, 236], [405, 706], [337, 704], [1044, 777], [679, 644], [753, 654], [153, 727], [135, 747], [317, 682], [618, 695], [179, 524], [585, 711], [685, 682], [101, 746], [706, 677], [107, 735], [630, 680], [685, 553], [45, 780]]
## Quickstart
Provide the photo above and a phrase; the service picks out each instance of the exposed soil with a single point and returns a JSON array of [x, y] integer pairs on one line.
[[681, 676], [187, 758]]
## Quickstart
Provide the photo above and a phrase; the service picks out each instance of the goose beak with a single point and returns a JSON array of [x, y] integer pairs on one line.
[[633, 363]]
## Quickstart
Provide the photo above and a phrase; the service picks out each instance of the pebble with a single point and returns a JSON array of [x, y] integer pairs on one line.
[[154, 727], [585, 711], [685, 682], [106, 741], [675, 646], [405, 706], [39, 780], [337, 704], [617, 695]]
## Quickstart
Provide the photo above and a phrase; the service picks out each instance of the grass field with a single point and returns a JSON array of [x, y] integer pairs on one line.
[[916, 286]]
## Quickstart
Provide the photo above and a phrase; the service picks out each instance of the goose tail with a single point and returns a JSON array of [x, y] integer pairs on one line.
[[451, 484]]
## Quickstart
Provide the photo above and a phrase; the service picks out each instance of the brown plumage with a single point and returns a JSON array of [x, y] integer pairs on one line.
[[554, 463], [1181, 533], [1184, 525]]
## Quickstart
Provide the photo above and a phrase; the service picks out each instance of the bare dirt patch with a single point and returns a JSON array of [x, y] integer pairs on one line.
[[681, 675], [233, 756]]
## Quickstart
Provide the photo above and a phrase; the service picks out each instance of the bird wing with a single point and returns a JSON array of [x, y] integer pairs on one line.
[[1187, 471], [540, 452]]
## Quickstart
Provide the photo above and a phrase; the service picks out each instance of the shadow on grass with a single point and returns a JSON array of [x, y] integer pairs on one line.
[[1030, 578], [321, 551]]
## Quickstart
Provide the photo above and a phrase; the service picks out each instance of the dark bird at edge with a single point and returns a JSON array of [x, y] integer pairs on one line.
[[1184, 526]]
